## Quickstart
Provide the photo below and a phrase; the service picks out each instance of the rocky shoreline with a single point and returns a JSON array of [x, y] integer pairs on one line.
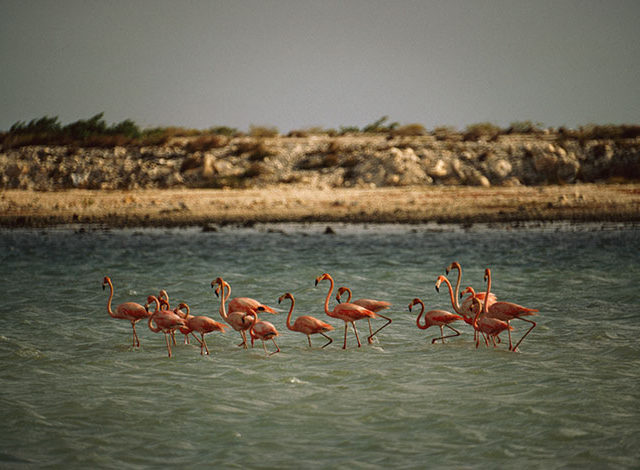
[[377, 178], [324, 162]]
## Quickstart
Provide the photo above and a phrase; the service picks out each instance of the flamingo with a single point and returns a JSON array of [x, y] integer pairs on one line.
[[131, 311], [203, 325], [306, 324], [163, 297], [347, 312], [371, 304], [488, 327], [439, 318], [263, 330], [237, 320], [165, 320], [507, 311], [467, 303]]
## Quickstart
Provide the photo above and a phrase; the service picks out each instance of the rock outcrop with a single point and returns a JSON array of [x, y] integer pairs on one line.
[[325, 162]]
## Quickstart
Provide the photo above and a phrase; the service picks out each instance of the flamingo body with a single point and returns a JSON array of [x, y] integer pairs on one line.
[[166, 321], [439, 318], [264, 331], [306, 324], [131, 311]]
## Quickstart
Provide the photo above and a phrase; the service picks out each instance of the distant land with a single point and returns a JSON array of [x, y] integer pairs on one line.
[[90, 173]]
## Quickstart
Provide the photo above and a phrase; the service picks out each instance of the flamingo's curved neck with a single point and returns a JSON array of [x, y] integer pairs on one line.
[[454, 298], [457, 292], [348, 291], [223, 299], [418, 317], [485, 303], [326, 301], [155, 329], [293, 302], [110, 298]]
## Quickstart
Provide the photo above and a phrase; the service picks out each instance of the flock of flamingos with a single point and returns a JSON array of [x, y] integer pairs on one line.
[[481, 310]]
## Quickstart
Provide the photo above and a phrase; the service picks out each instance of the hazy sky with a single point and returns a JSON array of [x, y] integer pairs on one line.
[[300, 63]]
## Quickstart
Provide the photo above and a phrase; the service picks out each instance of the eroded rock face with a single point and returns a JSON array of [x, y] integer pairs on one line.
[[323, 161]]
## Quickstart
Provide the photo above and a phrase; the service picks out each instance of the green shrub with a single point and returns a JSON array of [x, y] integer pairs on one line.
[[263, 131], [488, 130], [410, 130], [525, 127], [378, 126]]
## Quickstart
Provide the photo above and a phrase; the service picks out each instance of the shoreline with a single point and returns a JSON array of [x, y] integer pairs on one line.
[[209, 208]]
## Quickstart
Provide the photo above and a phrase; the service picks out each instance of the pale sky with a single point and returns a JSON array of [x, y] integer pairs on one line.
[[293, 64]]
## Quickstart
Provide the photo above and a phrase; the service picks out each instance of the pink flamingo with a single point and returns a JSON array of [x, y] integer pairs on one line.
[[306, 324], [467, 303], [507, 311], [263, 330], [488, 327], [130, 311], [347, 312], [440, 318], [370, 304], [237, 320], [165, 321], [163, 297], [203, 325]]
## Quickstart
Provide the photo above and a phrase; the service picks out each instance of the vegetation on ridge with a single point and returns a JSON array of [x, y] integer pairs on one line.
[[94, 132]]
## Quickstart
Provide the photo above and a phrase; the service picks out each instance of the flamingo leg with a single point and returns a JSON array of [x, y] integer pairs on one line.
[[166, 339], [277, 348], [356, 332], [383, 326], [196, 338], [328, 337], [136, 340], [244, 339], [433, 341], [344, 346], [203, 343], [173, 337], [533, 325], [509, 331], [457, 333], [370, 332], [309, 338]]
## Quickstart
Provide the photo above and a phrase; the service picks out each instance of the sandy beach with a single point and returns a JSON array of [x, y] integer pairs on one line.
[[210, 207]]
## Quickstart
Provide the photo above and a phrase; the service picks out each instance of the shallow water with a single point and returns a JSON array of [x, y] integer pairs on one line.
[[75, 393]]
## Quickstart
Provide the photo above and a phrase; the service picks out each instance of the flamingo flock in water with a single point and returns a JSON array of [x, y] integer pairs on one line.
[[480, 309]]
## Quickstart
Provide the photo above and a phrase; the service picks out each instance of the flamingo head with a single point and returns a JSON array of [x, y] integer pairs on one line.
[[181, 306], [439, 281], [322, 278], [341, 291], [218, 283], [105, 281], [454, 265], [487, 274], [163, 295], [151, 299], [415, 302], [285, 296], [468, 290]]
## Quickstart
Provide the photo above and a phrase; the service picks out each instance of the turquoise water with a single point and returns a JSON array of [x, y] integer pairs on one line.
[[74, 393]]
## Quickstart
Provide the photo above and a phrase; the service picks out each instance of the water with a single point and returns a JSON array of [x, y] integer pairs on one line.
[[75, 393]]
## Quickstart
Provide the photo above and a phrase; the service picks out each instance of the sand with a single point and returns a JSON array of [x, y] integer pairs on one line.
[[209, 207]]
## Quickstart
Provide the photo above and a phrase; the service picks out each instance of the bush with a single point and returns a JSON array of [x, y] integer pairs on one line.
[[410, 130], [488, 130], [206, 142], [525, 127], [377, 127], [445, 133], [262, 131]]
